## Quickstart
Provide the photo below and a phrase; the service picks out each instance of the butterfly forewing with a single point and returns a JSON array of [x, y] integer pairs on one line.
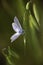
[[15, 27], [17, 22]]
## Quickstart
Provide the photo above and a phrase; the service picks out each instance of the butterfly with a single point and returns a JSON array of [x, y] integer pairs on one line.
[[17, 28]]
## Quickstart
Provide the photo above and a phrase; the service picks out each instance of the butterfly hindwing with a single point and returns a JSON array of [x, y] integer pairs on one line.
[[14, 37]]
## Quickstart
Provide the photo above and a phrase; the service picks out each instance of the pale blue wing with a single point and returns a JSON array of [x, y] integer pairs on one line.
[[17, 22], [15, 27], [14, 37]]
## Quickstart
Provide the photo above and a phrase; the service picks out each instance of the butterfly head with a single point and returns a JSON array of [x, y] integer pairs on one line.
[[21, 31]]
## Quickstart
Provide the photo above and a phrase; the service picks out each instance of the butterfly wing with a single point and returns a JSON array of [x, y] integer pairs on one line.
[[15, 36], [15, 27], [17, 22]]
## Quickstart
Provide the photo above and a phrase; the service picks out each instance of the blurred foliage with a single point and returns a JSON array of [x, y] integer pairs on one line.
[[28, 48]]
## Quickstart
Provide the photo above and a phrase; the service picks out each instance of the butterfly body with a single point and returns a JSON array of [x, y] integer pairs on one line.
[[17, 28]]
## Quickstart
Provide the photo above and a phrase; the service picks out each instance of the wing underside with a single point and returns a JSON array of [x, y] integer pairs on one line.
[[17, 22], [14, 37], [15, 27]]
